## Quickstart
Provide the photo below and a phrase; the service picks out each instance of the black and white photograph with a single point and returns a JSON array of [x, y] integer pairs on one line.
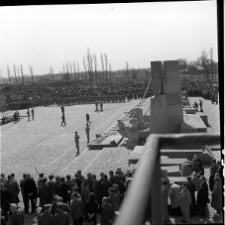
[[110, 114]]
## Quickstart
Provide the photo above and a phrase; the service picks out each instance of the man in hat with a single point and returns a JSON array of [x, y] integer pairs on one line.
[[17, 217], [88, 118], [46, 218], [87, 131], [76, 138], [61, 218]]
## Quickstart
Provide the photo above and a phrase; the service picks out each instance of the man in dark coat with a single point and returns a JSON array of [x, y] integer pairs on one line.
[[106, 213], [5, 199], [213, 170], [14, 190], [191, 189], [46, 218], [63, 189], [44, 193], [91, 208], [61, 218], [30, 193], [202, 197], [17, 217]]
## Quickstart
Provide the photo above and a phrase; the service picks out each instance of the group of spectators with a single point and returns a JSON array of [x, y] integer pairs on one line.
[[205, 90], [127, 89], [191, 198], [65, 199]]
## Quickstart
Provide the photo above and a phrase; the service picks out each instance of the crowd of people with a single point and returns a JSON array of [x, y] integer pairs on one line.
[[65, 199], [77, 199], [191, 198], [205, 90]]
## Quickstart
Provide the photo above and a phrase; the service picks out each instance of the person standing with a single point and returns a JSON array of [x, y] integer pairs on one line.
[[91, 209], [28, 115], [62, 109], [106, 212], [202, 197], [14, 190], [87, 130], [63, 123], [101, 105], [77, 137], [96, 106], [46, 218], [32, 112], [17, 217], [18, 116], [61, 218], [200, 105], [76, 209], [174, 195], [217, 195], [185, 202], [88, 118], [30, 193]]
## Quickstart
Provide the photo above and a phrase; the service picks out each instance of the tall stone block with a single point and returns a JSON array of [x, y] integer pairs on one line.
[[156, 68]]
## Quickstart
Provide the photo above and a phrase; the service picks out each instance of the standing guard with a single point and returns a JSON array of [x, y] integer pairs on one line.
[[32, 112], [28, 115], [96, 106], [87, 130], [88, 118], [101, 105], [76, 138]]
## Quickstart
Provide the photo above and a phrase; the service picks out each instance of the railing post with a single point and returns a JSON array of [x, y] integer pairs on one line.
[[156, 193]]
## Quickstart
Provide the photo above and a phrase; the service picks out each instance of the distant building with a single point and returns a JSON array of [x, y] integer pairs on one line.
[[197, 74]]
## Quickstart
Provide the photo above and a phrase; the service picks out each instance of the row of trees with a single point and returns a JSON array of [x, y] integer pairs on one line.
[[71, 70], [18, 74], [205, 60]]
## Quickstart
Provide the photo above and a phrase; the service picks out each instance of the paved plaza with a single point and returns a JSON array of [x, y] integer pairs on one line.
[[45, 145]]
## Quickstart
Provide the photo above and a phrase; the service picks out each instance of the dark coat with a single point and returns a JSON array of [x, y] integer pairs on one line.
[[91, 206], [106, 214], [202, 196], [62, 218], [44, 194], [3, 222], [45, 219], [30, 187], [103, 189], [17, 218], [217, 196], [14, 190], [76, 209], [62, 191]]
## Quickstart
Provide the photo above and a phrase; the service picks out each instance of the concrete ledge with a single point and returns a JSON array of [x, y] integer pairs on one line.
[[189, 110]]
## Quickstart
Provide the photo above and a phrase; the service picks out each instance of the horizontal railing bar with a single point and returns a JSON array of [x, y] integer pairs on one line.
[[135, 203]]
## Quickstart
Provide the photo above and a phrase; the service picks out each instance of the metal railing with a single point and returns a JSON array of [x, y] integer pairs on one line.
[[147, 178]]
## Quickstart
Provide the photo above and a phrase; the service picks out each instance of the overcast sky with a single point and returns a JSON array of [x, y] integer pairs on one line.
[[137, 33]]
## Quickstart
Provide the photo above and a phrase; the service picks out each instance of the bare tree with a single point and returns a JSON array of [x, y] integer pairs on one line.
[[95, 63], [85, 69], [14, 67], [71, 71], [51, 71], [74, 70], [102, 60], [9, 74], [18, 74], [90, 66], [127, 68], [32, 75], [106, 66], [211, 58], [110, 72], [78, 71], [21, 71], [204, 62]]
